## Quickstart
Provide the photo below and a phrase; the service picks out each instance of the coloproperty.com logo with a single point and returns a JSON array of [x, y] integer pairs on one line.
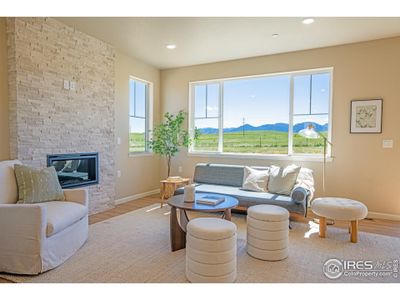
[[334, 268]]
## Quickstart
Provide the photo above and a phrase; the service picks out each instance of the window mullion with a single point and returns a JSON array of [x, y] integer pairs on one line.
[[146, 124], [311, 83], [221, 118], [291, 106]]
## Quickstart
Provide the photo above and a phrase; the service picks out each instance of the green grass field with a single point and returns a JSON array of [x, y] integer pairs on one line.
[[267, 142], [136, 142]]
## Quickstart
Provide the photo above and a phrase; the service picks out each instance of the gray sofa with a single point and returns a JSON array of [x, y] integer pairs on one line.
[[228, 179]]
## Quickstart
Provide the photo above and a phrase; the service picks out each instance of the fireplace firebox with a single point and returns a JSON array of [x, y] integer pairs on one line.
[[74, 170]]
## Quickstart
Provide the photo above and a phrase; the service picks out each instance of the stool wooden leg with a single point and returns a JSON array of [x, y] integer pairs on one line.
[[162, 198], [322, 227], [354, 231]]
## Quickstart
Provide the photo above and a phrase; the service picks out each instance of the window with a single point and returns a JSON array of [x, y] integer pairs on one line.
[[262, 114], [139, 115]]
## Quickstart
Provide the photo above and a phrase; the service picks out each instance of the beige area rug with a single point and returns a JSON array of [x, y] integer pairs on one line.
[[135, 247]]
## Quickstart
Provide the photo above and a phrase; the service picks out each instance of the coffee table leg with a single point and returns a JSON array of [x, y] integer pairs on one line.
[[177, 235], [162, 194], [228, 214]]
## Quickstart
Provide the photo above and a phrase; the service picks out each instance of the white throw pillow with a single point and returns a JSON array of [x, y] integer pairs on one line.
[[255, 180], [282, 180]]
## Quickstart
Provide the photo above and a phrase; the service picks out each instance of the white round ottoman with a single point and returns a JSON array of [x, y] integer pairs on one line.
[[339, 209], [267, 232], [211, 250]]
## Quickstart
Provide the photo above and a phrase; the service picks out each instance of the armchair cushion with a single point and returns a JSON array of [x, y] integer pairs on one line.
[[61, 214]]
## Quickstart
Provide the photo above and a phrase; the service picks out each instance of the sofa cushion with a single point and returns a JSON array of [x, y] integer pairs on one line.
[[231, 175], [8, 183], [248, 198], [281, 180], [61, 214]]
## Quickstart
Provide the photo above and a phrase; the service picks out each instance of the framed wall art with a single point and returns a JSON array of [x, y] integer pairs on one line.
[[366, 116]]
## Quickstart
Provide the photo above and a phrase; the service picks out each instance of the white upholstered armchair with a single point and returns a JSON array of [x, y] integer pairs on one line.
[[35, 238]]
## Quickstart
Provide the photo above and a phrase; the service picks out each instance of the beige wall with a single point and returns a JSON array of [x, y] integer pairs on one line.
[[4, 128], [361, 169], [139, 174]]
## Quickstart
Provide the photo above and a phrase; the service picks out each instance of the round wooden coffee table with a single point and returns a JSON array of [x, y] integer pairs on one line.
[[178, 228]]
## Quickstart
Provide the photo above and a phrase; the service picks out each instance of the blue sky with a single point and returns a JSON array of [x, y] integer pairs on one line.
[[265, 100], [137, 105]]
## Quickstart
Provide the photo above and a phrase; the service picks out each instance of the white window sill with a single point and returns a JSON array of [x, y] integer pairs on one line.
[[141, 154], [285, 157]]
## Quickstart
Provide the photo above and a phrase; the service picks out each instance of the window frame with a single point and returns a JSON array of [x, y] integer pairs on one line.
[[148, 116], [290, 155]]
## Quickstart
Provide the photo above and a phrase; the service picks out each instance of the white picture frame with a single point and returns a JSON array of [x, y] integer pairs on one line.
[[366, 116]]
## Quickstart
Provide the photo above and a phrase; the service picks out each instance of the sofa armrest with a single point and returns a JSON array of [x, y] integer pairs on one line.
[[301, 195], [80, 196], [22, 237]]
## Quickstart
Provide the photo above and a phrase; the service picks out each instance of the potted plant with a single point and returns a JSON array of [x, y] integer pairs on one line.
[[170, 135]]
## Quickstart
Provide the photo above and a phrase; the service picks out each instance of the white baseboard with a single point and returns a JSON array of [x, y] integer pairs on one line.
[[137, 196], [376, 215]]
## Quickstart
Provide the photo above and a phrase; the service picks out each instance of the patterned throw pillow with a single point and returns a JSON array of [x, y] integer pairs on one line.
[[35, 186]]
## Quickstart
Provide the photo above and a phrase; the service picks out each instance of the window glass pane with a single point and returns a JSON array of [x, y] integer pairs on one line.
[[208, 140], [256, 115], [309, 145], [212, 100], [320, 93], [140, 99], [301, 94], [137, 134], [200, 101], [131, 97]]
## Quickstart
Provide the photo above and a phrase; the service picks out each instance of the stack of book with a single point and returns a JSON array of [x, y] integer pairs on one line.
[[211, 200]]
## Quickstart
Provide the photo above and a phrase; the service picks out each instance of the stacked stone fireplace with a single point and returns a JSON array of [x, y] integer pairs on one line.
[[45, 117]]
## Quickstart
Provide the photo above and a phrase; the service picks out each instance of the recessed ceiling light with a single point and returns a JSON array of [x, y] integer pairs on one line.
[[308, 21], [275, 35], [170, 46]]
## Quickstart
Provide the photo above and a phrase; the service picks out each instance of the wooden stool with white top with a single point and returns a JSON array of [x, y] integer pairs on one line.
[[339, 209], [169, 186]]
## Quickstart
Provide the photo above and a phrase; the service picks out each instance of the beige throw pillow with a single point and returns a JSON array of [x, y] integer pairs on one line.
[[255, 180], [35, 186], [282, 180]]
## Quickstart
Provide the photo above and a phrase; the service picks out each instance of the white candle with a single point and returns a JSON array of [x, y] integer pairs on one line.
[[189, 191]]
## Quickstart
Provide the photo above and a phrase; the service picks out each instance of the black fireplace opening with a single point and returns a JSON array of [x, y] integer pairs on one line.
[[74, 170]]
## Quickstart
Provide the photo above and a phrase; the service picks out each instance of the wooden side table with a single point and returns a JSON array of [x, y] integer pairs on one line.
[[168, 187]]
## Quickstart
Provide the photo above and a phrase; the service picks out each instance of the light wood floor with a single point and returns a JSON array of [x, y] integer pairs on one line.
[[384, 227]]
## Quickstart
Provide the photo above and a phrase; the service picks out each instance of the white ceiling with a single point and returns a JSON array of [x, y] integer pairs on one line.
[[205, 40]]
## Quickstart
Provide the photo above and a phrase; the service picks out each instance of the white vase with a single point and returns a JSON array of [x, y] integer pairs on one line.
[[189, 192]]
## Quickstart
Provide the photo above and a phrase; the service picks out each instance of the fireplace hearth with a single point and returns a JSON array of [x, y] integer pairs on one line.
[[76, 169]]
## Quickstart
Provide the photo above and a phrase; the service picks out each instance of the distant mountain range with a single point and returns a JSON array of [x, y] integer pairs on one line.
[[276, 127]]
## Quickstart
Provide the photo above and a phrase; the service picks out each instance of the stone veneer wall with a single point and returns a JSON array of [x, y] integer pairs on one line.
[[45, 118]]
